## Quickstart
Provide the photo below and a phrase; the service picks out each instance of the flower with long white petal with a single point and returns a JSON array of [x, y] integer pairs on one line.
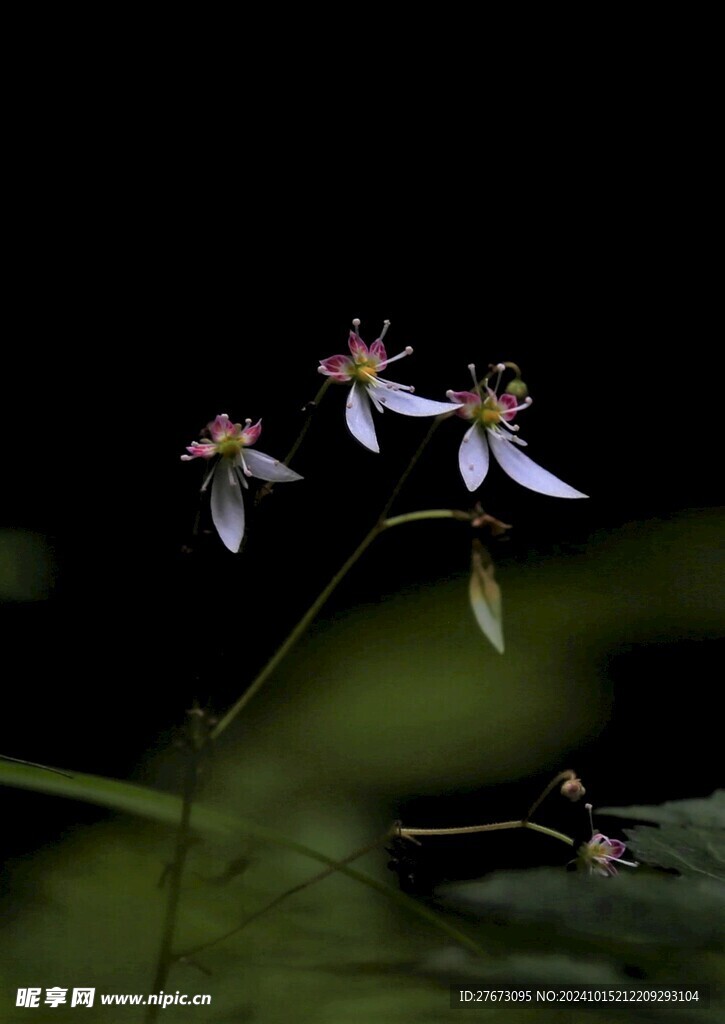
[[231, 441], [361, 371], [491, 430]]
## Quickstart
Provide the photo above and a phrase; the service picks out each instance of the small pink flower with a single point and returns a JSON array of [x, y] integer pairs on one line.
[[490, 415], [230, 441], [598, 855], [361, 370]]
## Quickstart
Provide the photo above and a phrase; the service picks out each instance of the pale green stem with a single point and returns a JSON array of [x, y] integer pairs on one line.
[[316, 606], [495, 826]]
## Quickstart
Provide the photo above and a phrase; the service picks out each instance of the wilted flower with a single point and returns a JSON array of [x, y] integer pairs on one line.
[[231, 441], [485, 596], [361, 370], [599, 854], [490, 415]]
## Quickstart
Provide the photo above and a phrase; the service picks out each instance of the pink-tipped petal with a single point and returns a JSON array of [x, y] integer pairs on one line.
[[250, 434], [359, 418], [338, 367], [467, 401], [199, 450], [411, 405], [221, 427], [473, 457], [507, 402], [227, 506], [526, 472], [264, 467], [377, 351], [616, 848], [357, 345]]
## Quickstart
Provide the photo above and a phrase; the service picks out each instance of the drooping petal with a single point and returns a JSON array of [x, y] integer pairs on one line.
[[411, 405], [473, 457], [359, 418], [485, 596], [227, 506], [357, 345], [338, 367], [251, 433], [526, 472], [264, 467]]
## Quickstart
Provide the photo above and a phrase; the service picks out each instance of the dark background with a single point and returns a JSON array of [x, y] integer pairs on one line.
[[134, 325]]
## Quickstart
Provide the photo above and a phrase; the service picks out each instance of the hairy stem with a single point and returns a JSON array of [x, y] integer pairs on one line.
[[165, 957]]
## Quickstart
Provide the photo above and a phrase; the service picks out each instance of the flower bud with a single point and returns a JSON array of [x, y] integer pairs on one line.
[[572, 789], [517, 388]]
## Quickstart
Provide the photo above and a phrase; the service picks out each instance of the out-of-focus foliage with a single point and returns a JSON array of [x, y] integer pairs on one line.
[[690, 836], [26, 566], [389, 700]]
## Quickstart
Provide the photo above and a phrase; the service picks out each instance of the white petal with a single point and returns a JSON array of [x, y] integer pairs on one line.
[[473, 457], [411, 405], [485, 597], [227, 507], [264, 467], [526, 472], [359, 417]]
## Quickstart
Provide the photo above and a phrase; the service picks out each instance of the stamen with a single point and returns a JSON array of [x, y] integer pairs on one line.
[[247, 421], [245, 468], [407, 351], [476, 385], [386, 324], [591, 820], [207, 478], [356, 323]]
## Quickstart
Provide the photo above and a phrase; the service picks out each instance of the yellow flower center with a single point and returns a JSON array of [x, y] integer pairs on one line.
[[365, 368], [488, 413], [229, 447]]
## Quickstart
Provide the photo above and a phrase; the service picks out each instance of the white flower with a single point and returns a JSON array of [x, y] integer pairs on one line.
[[490, 415], [231, 442], [361, 370]]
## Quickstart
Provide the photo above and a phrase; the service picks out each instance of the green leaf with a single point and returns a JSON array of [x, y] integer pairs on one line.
[[164, 808], [690, 837], [708, 812]]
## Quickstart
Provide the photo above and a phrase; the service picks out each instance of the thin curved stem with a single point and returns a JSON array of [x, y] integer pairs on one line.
[[561, 777]]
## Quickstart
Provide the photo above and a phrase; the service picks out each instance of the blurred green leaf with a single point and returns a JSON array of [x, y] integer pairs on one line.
[[708, 812], [690, 836]]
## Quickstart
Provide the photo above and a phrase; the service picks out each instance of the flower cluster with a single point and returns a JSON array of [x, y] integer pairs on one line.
[[489, 413]]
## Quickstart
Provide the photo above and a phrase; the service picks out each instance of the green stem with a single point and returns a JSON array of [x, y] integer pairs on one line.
[[319, 602], [564, 776], [187, 954], [165, 957], [306, 425], [548, 832], [295, 635], [412, 464], [495, 826], [426, 513]]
